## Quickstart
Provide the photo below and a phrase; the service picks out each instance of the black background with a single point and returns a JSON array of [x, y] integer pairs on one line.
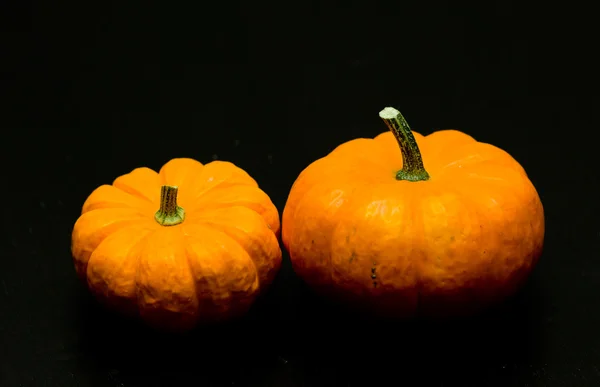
[[93, 91]]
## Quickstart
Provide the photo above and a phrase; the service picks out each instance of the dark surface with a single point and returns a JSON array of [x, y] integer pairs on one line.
[[92, 93]]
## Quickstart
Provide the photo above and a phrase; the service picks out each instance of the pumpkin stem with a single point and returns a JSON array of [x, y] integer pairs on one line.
[[412, 162], [169, 214]]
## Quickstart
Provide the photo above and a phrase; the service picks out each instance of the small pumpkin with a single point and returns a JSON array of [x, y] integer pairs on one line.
[[193, 243], [408, 225]]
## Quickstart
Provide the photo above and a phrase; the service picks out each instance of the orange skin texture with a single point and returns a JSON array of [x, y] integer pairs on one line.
[[450, 246], [211, 267]]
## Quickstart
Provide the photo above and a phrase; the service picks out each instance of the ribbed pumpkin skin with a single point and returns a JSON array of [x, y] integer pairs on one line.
[[210, 267], [464, 239]]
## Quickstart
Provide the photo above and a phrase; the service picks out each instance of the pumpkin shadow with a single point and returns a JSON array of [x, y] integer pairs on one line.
[[497, 344], [128, 352], [296, 336]]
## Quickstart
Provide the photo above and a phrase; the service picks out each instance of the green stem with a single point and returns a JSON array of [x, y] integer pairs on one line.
[[412, 163], [169, 214]]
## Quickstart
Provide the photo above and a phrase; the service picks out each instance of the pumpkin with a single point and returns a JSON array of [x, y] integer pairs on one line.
[[404, 225], [191, 244]]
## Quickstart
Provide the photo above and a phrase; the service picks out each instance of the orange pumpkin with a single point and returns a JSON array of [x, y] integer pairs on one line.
[[193, 243], [441, 226]]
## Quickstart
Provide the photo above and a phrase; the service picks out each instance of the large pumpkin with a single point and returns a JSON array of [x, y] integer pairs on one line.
[[407, 225], [192, 243]]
